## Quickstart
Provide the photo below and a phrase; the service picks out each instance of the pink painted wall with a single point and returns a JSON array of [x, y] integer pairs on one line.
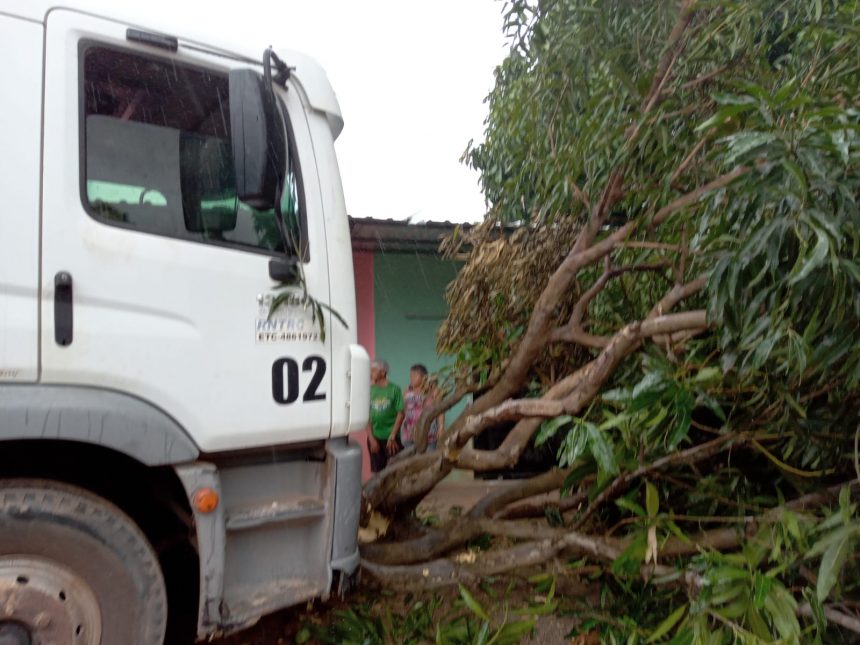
[[362, 264]]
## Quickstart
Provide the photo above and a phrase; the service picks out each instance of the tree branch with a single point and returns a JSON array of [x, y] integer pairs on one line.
[[685, 164], [705, 78], [591, 379], [573, 331], [423, 428], [583, 385], [656, 246], [522, 489], [543, 314], [673, 323], [674, 44], [578, 192], [690, 456], [527, 509], [851, 623], [692, 197], [442, 539], [677, 294], [542, 543], [471, 567], [402, 481]]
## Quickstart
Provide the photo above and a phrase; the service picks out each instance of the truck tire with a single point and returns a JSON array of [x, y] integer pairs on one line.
[[75, 569]]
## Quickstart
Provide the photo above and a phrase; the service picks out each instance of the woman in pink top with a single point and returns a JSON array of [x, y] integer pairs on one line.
[[417, 398]]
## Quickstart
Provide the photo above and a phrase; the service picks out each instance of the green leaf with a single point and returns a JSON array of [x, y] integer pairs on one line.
[[722, 575], [575, 443], [729, 593], [483, 634], [791, 524], [614, 421], [853, 268], [543, 609], [677, 532], [630, 505], [758, 626], [845, 501], [684, 402], [785, 91], [743, 143], [601, 449], [473, 604], [795, 171], [736, 609], [652, 499], [513, 632], [712, 404], [668, 624], [617, 395], [647, 391], [631, 559], [761, 588], [832, 562], [832, 537], [549, 428], [723, 115], [334, 313], [734, 99], [817, 610], [708, 374], [822, 246], [625, 79], [781, 606]]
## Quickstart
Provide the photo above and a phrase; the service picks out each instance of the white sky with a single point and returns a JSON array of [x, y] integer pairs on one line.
[[410, 77]]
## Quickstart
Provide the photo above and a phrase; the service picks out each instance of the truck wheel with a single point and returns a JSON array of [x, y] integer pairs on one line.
[[75, 569]]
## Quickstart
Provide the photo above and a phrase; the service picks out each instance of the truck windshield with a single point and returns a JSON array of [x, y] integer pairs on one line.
[[158, 155]]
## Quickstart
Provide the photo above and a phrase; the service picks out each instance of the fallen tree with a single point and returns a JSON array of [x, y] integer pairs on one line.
[[666, 287]]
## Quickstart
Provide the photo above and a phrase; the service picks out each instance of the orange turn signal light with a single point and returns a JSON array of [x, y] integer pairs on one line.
[[205, 500]]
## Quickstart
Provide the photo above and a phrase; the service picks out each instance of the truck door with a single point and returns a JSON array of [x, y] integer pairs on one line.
[[155, 280], [20, 111]]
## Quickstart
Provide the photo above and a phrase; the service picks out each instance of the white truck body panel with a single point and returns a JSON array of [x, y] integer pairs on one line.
[[19, 222]]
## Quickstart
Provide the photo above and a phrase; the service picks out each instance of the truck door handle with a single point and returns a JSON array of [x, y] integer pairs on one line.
[[63, 318]]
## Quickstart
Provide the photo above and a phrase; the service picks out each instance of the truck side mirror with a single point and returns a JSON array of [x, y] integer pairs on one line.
[[257, 132]]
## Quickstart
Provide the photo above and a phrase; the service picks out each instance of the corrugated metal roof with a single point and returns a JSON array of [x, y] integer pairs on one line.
[[398, 236]]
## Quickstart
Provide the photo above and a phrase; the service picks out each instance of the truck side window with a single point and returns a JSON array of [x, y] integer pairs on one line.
[[158, 157]]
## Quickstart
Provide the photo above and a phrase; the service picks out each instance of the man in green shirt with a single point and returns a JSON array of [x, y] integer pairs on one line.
[[386, 416]]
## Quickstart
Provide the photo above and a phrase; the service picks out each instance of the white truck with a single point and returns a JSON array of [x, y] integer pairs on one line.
[[174, 460]]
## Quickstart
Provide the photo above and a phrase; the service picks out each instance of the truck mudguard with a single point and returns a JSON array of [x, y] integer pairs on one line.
[[93, 415]]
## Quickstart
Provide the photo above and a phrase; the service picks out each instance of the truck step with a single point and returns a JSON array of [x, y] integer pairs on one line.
[[287, 509]]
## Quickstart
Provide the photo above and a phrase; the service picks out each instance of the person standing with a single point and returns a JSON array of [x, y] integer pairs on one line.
[[420, 396], [386, 416]]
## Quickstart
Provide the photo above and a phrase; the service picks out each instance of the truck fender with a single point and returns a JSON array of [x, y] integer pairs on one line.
[[96, 416]]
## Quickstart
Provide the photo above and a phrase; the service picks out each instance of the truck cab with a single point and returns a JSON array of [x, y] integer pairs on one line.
[[178, 361]]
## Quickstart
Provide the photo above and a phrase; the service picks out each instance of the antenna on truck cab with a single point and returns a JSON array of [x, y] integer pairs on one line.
[[283, 73]]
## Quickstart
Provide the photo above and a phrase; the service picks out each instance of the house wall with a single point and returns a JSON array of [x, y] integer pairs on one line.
[[400, 298], [409, 307], [362, 265]]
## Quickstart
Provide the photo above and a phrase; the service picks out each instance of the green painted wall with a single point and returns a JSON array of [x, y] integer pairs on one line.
[[409, 306]]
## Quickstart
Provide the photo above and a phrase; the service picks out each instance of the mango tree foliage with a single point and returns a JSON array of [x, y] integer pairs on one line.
[[667, 289]]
